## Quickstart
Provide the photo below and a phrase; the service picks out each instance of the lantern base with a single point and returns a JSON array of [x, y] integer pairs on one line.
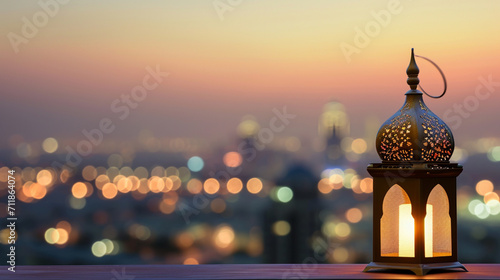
[[418, 269]]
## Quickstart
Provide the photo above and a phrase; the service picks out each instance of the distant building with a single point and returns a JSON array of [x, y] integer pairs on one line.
[[333, 127], [289, 227]]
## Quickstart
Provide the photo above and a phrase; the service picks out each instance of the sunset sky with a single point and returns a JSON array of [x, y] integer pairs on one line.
[[249, 59]]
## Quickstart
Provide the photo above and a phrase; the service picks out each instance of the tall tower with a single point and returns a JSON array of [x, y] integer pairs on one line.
[[247, 130], [333, 127]]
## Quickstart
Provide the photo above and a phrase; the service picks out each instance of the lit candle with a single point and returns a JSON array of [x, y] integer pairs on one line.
[[407, 231], [428, 232]]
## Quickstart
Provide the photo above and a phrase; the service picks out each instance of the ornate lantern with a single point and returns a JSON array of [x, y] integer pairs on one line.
[[414, 189]]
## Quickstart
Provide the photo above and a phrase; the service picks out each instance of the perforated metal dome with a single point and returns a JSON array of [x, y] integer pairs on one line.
[[414, 133]]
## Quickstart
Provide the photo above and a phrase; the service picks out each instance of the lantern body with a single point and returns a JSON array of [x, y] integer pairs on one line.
[[414, 189], [414, 216]]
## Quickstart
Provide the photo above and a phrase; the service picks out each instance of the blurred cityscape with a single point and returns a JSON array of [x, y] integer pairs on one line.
[[259, 198]]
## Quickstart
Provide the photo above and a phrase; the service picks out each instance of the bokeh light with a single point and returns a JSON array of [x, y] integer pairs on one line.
[[4, 236], [184, 174], [171, 171], [232, 159], [481, 211], [494, 154], [126, 171], [354, 215], [355, 184], [248, 127], [115, 160], [37, 191], [77, 203], [336, 180], [51, 235], [211, 186], [493, 207], [224, 236], [101, 180], [254, 185], [366, 185], [99, 249], [50, 145], [169, 183], [44, 177], [79, 190], [140, 232], [472, 206], [281, 228], [184, 240], [166, 208], [156, 184], [195, 164], [143, 186], [63, 236], [109, 191], [64, 225], [340, 254], [234, 185], [284, 194], [484, 186], [28, 174], [109, 245], [459, 155], [491, 196], [342, 230], [176, 183], [23, 150], [112, 173], [158, 171], [89, 173], [324, 186], [218, 205], [359, 146], [194, 186], [4, 175], [190, 261], [328, 228], [141, 172], [124, 185]]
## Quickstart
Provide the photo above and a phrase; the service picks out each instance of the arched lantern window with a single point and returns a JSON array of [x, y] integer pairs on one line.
[[395, 202], [438, 224]]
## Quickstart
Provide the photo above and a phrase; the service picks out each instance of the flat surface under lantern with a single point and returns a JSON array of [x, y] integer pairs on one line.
[[233, 271]]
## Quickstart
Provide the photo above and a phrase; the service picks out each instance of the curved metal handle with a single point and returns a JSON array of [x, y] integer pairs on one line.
[[442, 75]]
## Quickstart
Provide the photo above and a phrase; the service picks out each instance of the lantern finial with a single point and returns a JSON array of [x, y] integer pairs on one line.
[[412, 72], [414, 133]]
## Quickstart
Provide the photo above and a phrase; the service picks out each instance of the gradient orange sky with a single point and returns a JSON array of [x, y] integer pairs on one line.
[[258, 56]]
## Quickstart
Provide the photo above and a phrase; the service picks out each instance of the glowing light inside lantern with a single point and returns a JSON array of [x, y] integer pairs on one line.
[[428, 232], [407, 232]]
